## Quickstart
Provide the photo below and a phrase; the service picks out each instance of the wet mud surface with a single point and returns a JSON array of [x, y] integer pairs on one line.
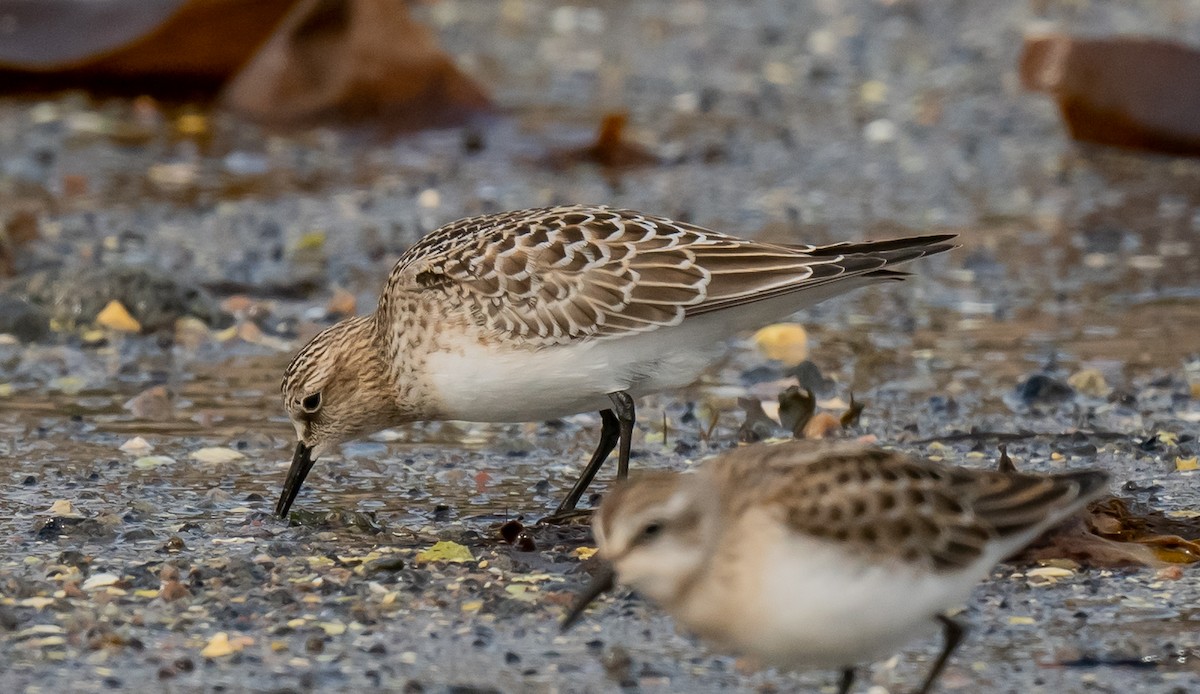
[[137, 546]]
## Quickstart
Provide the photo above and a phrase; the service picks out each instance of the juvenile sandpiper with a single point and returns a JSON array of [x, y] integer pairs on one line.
[[543, 313], [821, 556]]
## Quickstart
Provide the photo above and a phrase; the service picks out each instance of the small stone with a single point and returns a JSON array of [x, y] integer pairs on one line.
[[390, 562], [1041, 389], [23, 320], [101, 580], [216, 454], [873, 92], [153, 404], [880, 131], [172, 591], [150, 462], [136, 444]]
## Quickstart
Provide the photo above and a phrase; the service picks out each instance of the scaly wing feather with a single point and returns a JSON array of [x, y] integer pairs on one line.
[[563, 274]]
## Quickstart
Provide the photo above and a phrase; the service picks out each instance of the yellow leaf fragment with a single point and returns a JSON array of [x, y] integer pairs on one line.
[[1021, 621], [191, 124], [1187, 464], [115, 316], [785, 342], [218, 646], [1090, 382], [585, 553], [311, 241], [221, 645], [63, 508], [522, 592], [445, 551]]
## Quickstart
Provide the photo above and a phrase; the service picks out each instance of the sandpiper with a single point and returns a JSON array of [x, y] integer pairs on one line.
[[821, 556], [543, 313]]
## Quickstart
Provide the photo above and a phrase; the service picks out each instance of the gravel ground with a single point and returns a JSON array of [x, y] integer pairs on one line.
[[1068, 324]]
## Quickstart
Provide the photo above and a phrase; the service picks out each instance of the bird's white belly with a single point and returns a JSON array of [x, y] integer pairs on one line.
[[475, 383], [818, 607]]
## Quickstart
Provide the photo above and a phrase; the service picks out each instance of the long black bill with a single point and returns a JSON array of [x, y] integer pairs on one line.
[[302, 462], [602, 581]]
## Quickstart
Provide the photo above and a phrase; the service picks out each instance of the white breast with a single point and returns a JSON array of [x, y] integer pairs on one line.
[[803, 603], [489, 384]]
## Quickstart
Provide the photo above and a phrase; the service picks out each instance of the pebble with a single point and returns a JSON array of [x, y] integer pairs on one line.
[[216, 454]]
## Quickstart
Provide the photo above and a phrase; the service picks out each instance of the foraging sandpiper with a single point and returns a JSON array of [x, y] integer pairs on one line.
[[806, 555], [543, 313]]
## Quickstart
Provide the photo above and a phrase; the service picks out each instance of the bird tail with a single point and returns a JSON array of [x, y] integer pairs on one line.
[[1025, 505]]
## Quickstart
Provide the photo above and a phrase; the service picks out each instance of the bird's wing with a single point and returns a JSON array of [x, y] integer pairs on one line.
[[885, 503], [564, 274]]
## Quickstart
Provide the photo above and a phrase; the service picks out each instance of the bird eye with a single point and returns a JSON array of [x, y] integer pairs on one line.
[[651, 531], [312, 403]]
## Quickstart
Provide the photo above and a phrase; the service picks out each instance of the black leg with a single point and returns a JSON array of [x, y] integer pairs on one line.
[[953, 634], [623, 406], [847, 681], [610, 431]]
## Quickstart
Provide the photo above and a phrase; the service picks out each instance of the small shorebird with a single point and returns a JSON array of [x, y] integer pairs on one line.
[[806, 555], [544, 313]]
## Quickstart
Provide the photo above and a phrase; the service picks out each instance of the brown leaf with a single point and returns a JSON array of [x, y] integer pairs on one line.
[[1110, 534], [354, 60], [1130, 92], [133, 47]]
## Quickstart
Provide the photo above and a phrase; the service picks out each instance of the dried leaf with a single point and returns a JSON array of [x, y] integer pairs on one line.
[[1005, 463], [853, 412], [63, 508], [115, 316], [796, 408], [821, 426], [757, 426]]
